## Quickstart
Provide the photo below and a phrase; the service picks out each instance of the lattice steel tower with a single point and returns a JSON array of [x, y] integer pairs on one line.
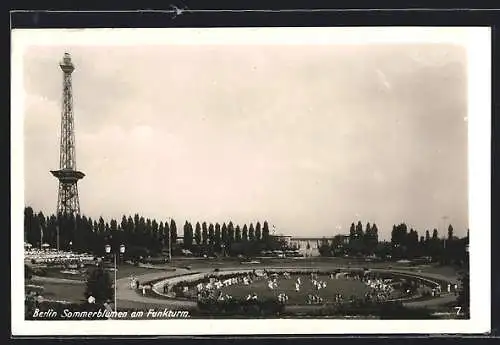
[[68, 176]]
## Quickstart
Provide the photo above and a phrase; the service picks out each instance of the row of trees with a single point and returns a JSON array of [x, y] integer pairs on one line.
[[209, 238], [85, 234], [145, 235], [447, 249], [148, 236], [405, 243], [358, 242]]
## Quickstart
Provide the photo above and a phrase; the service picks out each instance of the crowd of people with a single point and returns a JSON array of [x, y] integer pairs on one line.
[[212, 288], [380, 289]]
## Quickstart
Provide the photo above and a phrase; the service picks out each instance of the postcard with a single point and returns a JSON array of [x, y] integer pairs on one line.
[[251, 181]]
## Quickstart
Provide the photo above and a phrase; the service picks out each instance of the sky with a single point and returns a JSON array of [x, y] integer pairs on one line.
[[309, 138]]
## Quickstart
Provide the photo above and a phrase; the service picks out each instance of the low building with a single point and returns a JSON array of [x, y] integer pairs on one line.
[[309, 246], [284, 239]]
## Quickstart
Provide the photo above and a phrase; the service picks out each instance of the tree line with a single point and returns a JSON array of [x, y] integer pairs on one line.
[[358, 242], [145, 236], [405, 243]]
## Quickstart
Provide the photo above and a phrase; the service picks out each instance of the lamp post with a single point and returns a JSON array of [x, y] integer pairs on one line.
[[107, 249]]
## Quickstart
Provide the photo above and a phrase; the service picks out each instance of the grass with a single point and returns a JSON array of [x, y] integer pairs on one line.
[[124, 270], [53, 272], [64, 292], [75, 292], [345, 287], [317, 262]]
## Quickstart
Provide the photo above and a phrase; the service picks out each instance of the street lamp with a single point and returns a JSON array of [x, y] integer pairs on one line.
[[121, 251]]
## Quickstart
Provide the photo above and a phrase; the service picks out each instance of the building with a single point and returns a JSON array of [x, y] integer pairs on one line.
[[309, 246], [287, 239]]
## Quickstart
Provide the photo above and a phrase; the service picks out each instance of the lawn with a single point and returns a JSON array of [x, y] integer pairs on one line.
[[316, 262], [75, 292], [64, 292], [345, 287], [55, 272], [124, 270]]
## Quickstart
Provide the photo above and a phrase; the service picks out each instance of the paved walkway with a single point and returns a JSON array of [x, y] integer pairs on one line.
[[126, 293]]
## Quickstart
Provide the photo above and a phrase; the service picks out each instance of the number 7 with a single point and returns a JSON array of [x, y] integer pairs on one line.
[[458, 310]]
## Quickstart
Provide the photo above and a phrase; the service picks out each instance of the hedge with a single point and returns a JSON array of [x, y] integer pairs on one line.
[[232, 307]]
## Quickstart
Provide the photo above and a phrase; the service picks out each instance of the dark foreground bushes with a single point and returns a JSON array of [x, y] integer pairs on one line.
[[272, 309], [385, 311], [240, 308]]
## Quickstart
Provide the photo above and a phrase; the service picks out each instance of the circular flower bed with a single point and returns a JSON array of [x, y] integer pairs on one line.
[[300, 286]]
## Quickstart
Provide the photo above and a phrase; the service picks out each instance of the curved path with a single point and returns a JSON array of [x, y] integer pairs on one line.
[[126, 294], [129, 297]]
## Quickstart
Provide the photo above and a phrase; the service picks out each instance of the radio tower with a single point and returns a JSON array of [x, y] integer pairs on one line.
[[68, 176]]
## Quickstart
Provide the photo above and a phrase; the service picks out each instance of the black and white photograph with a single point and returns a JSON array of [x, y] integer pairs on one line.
[[240, 181]]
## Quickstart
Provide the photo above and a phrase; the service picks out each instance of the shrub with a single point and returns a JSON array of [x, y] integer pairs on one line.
[[463, 298], [239, 307], [364, 309], [28, 272], [99, 285], [41, 272], [155, 261]]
